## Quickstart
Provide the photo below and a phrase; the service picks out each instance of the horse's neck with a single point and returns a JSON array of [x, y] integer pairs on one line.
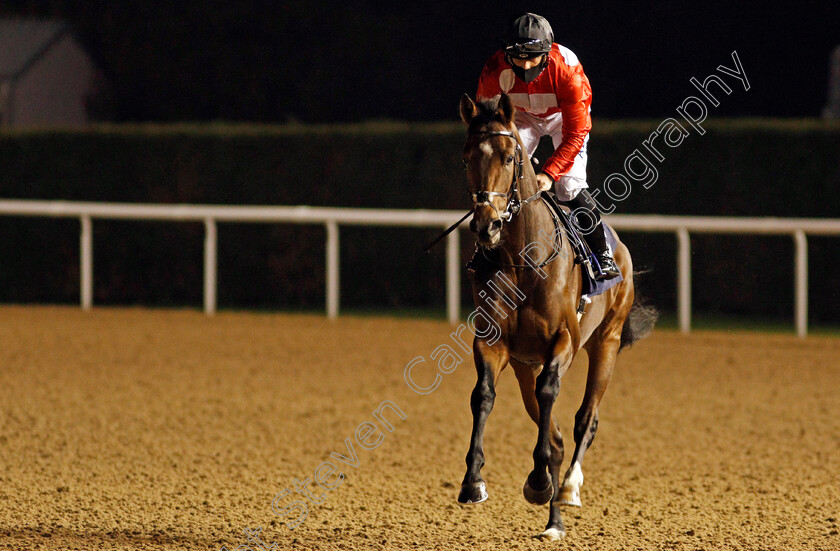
[[525, 226]]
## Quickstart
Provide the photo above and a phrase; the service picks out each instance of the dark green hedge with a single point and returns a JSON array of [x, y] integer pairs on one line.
[[738, 168]]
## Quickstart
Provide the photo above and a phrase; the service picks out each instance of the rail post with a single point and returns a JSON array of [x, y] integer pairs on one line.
[[453, 279], [210, 266], [684, 280], [801, 283], [86, 262], [332, 269]]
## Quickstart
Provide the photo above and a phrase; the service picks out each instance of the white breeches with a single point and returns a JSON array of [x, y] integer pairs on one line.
[[532, 128]]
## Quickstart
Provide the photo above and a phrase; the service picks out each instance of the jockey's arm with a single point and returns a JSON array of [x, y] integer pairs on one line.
[[572, 99], [487, 87]]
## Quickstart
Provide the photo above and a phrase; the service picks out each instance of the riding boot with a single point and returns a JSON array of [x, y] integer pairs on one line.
[[598, 244], [595, 239]]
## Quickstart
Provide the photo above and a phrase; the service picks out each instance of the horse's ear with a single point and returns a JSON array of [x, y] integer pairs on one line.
[[506, 110], [468, 109]]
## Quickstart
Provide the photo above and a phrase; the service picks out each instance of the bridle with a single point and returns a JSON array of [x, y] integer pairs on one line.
[[512, 203]]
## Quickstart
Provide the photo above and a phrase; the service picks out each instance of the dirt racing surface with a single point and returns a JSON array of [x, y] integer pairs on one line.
[[150, 429]]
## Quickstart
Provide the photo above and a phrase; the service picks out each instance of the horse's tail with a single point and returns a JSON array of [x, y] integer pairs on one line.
[[639, 322]]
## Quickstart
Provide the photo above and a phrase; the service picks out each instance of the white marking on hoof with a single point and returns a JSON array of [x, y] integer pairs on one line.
[[553, 534], [570, 491], [569, 497]]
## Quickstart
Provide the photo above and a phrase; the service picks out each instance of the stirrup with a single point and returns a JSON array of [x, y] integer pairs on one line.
[[608, 268]]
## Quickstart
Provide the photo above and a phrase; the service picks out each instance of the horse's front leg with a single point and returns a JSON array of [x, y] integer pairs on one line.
[[602, 349], [539, 487], [489, 362]]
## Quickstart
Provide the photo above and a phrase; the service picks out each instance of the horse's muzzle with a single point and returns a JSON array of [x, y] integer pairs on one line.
[[487, 228]]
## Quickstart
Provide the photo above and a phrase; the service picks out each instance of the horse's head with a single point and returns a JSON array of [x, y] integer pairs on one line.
[[494, 159]]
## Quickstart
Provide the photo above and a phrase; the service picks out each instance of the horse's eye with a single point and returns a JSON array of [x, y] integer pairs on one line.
[[509, 159]]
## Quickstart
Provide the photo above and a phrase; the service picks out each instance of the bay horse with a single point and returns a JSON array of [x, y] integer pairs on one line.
[[542, 334]]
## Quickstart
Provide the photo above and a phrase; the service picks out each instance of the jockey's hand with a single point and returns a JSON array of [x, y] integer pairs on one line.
[[545, 182]]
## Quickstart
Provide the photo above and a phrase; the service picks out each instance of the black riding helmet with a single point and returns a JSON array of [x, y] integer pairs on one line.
[[528, 36]]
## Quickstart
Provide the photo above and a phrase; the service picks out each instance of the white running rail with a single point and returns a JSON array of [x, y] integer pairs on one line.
[[332, 218]]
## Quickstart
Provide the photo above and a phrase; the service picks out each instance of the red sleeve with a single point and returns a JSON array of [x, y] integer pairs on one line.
[[488, 82], [573, 96]]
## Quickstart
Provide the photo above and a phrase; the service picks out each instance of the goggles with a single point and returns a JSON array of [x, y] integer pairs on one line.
[[527, 50]]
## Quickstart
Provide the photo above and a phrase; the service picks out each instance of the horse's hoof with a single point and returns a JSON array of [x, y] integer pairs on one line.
[[475, 492], [537, 497], [570, 490], [553, 534], [569, 496]]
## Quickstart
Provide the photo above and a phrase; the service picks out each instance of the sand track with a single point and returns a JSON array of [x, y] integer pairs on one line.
[[150, 429]]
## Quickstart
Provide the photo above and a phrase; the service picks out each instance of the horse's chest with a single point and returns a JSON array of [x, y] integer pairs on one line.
[[530, 334]]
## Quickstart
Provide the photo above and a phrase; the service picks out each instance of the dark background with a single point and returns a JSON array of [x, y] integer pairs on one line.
[[270, 61], [298, 61]]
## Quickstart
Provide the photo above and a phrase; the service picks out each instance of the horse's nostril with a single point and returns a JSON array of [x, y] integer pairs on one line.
[[495, 225], [473, 227]]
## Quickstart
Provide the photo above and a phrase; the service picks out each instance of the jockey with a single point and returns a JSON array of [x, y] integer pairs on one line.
[[551, 93]]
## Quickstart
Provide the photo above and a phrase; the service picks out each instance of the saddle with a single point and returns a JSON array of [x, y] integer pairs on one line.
[[583, 254], [485, 262]]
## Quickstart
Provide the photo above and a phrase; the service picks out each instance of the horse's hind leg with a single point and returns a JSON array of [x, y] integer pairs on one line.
[[527, 386], [602, 352], [489, 362], [538, 487]]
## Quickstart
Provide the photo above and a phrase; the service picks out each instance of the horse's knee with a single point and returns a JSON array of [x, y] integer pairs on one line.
[[483, 391], [548, 388], [482, 394]]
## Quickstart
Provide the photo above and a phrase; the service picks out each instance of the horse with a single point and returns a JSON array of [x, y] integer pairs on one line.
[[543, 333]]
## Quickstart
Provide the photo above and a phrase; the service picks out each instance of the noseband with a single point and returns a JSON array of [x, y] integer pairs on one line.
[[512, 203]]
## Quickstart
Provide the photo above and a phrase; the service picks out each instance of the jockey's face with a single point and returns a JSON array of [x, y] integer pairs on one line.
[[527, 63]]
